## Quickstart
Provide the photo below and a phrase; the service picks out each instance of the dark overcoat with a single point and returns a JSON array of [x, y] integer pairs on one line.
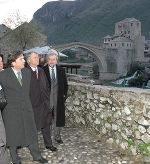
[[18, 114], [3, 151], [62, 93], [39, 94]]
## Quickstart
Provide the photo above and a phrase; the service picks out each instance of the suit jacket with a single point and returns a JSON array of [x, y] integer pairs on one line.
[[18, 114], [39, 94], [62, 88], [3, 152]]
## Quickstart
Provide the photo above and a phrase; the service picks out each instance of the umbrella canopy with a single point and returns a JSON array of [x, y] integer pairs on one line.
[[44, 50]]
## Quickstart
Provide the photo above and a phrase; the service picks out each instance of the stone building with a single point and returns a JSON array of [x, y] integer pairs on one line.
[[125, 47]]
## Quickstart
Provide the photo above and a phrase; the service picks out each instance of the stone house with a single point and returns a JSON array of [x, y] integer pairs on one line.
[[126, 46]]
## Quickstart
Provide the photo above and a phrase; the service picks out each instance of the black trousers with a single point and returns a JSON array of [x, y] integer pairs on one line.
[[34, 150], [47, 135]]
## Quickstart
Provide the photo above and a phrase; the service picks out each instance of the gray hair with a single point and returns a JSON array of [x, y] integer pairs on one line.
[[28, 56], [52, 54]]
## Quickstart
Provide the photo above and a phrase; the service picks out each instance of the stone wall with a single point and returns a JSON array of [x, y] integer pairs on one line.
[[120, 115]]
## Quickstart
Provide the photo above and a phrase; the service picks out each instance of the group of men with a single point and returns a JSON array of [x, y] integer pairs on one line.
[[35, 101]]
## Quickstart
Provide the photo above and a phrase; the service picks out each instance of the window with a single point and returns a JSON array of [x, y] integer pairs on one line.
[[122, 44]]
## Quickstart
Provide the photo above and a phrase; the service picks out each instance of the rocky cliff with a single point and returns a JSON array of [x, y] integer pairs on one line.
[[89, 20]]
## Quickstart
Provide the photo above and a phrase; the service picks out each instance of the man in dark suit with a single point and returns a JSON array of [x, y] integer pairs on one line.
[[18, 114], [58, 94], [3, 152], [39, 94]]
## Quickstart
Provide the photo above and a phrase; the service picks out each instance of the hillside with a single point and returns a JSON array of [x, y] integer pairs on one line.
[[89, 20]]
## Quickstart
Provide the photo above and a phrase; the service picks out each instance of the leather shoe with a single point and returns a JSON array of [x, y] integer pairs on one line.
[[59, 141], [42, 160], [19, 147], [52, 148]]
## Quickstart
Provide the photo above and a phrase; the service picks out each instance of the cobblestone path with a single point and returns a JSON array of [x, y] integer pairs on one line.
[[79, 147]]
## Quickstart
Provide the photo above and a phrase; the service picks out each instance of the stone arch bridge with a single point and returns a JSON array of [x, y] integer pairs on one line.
[[105, 70]]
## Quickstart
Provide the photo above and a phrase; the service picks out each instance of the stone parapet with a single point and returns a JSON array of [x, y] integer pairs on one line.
[[120, 115]]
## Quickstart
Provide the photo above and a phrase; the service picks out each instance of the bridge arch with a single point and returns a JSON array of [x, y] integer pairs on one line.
[[96, 51]]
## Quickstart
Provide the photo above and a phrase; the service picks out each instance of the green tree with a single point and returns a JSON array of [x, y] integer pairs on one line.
[[82, 60], [138, 81], [71, 56], [95, 70], [24, 33]]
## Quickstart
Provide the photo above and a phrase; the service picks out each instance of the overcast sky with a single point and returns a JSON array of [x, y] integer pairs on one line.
[[26, 8]]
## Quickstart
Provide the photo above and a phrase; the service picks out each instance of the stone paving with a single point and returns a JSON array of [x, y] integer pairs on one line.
[[79, 147]]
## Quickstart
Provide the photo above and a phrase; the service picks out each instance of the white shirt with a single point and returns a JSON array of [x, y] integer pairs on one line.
[[34, 69]]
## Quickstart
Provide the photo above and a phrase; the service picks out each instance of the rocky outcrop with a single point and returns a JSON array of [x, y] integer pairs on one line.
[[88, 20]]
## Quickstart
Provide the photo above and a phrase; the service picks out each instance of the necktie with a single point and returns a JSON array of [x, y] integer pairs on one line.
[[36, 74], [53, 79], [19, 78]]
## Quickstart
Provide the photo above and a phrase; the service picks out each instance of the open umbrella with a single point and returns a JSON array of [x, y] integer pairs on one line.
[[45, 50]]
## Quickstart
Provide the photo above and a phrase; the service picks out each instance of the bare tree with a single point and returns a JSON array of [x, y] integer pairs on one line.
[[14, 20], [24, 34]]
